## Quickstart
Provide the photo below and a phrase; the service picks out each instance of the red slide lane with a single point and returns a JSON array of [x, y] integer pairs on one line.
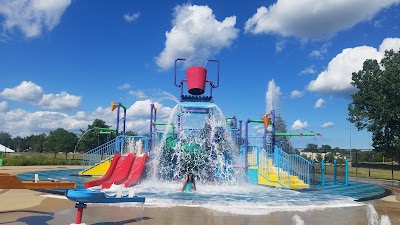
[[136, 171], [121, 171], [106, 176]]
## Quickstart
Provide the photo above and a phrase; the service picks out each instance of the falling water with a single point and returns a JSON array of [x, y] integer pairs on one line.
[[373, 217], [202, 145], [272, 97], [135, 146], [159, 95]]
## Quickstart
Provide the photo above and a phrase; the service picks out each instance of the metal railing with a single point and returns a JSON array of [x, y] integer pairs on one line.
[[133, 144], [265, 163], [99, 154], [298, 166], [283, 166], [123, 144]]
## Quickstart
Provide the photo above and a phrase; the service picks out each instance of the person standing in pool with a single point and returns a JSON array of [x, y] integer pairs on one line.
[[189, 183]]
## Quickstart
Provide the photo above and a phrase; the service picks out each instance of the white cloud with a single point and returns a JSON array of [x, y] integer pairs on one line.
[[60, 101], [390, 43], [31, 17], [319, 103], [19, 122], [316, 54], [327, 125], [298, 125], [321, 51], [196, 35], [337, 77], [138, 94], [32, 93], [130, 18], [313, 19], [279, 46], [124, 86], [3, 106], [27, 91], [296, 94], [308, 70]]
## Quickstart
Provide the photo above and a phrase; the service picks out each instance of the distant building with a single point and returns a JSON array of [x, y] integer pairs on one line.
[[313, 155], [5, 149]]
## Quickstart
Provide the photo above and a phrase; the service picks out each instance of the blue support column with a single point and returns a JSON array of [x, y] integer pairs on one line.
[[323, 173], [334, 171], [347, 173]]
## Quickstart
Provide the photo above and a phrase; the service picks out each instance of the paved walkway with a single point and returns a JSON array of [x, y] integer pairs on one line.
[[21, 207]]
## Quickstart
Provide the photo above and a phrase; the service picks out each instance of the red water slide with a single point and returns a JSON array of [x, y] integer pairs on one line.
[[136, 170], [106, 176], [121, 171]]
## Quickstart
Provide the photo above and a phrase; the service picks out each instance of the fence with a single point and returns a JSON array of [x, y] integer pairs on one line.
[[336, 173]]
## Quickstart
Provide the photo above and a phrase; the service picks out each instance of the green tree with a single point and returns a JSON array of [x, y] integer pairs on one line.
[[311, 148], [90, 138], [19, 144], [280, 126], [329, 157], [35, 142], [131, 133], [5, 139], [60, 140], [325, 148], [305, 156], [376, 104], [319, 157]]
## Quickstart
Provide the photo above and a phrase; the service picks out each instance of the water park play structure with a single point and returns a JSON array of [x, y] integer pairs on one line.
[[196, 138]]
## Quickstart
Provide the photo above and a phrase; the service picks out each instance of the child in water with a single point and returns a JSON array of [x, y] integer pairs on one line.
[[189, 183]]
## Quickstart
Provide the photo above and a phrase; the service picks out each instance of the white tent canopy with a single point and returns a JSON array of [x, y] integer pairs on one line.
[[5, 149]]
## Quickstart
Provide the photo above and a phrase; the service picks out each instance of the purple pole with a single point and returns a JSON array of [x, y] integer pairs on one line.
[[119, 105], [124, 120], [213, 60], [273, 130], [235, 121], [265, 138], [240, 132], [175, 71], [151, 125], [246, 144]]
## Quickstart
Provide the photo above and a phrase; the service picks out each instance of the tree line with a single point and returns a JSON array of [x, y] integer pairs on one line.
[[355, 154], [60, 140]]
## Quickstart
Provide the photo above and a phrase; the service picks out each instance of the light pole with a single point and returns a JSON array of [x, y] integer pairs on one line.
[[351, 157]]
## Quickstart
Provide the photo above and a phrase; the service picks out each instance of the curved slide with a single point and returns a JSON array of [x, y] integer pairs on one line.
[[123, 170], [136, 170], [106, 176]]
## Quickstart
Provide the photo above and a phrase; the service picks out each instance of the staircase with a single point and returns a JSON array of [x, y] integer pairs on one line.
[[97, 161], [277, 168]]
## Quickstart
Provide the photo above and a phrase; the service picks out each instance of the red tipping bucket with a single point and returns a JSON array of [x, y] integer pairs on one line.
[[196, 79]]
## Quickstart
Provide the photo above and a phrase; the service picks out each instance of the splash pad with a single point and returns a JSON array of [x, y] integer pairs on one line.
[[198, 139]]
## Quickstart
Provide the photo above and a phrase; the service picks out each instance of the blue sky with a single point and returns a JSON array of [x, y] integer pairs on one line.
[[63, 62]]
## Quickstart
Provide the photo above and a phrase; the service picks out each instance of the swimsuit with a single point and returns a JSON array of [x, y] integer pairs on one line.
[[188, 187]]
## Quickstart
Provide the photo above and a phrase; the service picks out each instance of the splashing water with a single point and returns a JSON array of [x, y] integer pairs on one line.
[[272, 97], [135, 146], [159, 95], [202, 144], [296, 220], [373, 217]]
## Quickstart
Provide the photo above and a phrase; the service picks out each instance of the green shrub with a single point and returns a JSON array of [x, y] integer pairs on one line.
[[37, 160]]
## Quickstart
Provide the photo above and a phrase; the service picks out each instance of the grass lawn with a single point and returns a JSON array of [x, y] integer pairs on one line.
[[375, 173], [367, 173]]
